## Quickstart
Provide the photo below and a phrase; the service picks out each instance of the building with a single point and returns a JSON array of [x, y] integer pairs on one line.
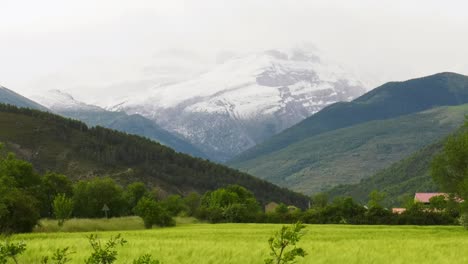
[[426, 197]]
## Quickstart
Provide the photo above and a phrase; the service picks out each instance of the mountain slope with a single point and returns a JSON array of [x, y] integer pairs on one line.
[[389, 100], [9, 97], [347, 155], [400, 180], [245, 100], [65, 105], [51, 142]]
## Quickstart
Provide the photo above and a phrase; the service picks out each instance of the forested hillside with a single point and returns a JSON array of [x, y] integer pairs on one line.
[[54, 143], [347, 142], [387, 101], [132, 124], [347, 155]]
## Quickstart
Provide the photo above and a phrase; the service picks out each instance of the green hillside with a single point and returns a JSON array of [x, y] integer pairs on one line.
[[133, 124], [400, 180], [387, 101], [54, 143], [347, 155]]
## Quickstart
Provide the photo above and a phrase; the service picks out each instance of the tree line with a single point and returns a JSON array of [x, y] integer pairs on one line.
[[52, 142], [26, 196]]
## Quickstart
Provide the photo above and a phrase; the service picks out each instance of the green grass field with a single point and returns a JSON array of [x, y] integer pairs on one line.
[[247, 243]]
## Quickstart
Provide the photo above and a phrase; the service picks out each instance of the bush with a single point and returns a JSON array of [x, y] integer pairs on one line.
[[60, 256], [104, 254], [90, 196], [153, 213], [146, 259], [63, 208], [11, 251]]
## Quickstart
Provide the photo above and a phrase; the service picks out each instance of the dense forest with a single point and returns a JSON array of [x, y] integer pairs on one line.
[[54, 143]]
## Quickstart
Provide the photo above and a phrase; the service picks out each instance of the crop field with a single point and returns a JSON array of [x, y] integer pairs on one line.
[[247, 244]]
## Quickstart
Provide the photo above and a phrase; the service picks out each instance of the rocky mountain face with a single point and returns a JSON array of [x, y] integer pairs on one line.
[[245, 100], [64, 104]]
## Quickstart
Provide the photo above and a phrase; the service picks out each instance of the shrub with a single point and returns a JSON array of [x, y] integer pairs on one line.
[[104, 254], [11, 251], [153, 213], [288, 236], [60, 256], [63, 208], [146, 259]]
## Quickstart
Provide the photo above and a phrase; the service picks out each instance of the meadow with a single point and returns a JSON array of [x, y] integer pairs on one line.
[[247, 243]]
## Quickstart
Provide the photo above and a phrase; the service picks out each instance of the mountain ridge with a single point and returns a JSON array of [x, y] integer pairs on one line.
[[339, 153], [8, 96], [360, 110], [245, 100], [54, 143], [64, 104]]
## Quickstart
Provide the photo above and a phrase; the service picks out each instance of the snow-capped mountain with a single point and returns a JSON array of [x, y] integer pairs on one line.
[[64, 104], [245, 100], [59, 101]]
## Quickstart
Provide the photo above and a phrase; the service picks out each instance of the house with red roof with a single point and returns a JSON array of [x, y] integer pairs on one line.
[[425, 197]]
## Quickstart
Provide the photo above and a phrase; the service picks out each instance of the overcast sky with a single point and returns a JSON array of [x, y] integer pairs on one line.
[[91, 47]]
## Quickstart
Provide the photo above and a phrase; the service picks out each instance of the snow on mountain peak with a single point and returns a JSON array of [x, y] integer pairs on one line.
[[58, 100], [246, 99]]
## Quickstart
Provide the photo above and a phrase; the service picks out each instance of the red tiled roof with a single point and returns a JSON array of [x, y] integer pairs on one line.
[[424, 197]]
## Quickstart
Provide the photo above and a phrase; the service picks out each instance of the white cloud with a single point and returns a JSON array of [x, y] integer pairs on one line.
[[77, 44]]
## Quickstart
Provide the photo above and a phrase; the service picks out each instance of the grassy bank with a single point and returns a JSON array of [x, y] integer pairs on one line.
[[247, 243]]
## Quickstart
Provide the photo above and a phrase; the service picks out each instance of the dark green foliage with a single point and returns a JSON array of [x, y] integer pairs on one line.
[[281, 209], [133, 124], [286, 238], [69, 147], [450, 168], [133, 193], [104, 254], [319, 200], [153, 213], [60, 256], [63, 208], [90, 197], [174, 204], [231, 204], [19, 189], [192, 202], [438, 203], [464, 220], [11, 251], [52, 185], [376, 198], [146, 259]]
